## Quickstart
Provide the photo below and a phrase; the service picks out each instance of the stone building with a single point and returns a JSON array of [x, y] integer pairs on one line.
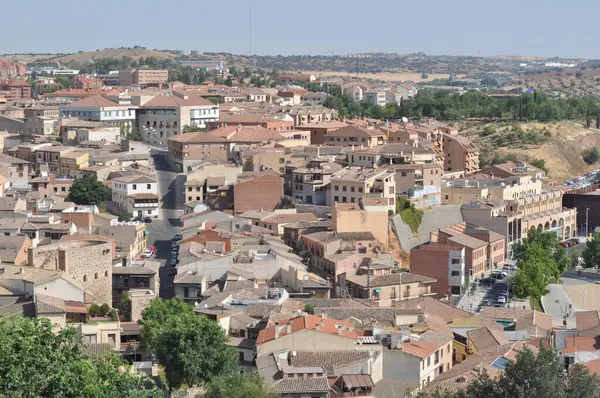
[[88, 262]]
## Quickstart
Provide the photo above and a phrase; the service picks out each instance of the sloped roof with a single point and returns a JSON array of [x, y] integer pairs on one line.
[[96, 101], [301, 385], [188, 100], [307, 322]]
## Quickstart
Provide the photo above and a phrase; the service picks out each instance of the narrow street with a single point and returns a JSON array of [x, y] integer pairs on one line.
[[161, 231]]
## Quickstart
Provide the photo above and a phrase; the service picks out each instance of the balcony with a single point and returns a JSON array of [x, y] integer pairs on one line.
[[124, 284], [130, 345]]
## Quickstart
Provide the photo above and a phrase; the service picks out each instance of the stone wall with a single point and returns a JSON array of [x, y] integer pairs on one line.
[[140, 300], [89, 263]]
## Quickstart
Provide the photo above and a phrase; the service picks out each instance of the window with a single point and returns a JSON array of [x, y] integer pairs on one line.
[[90, 339], [446, 197], [189, 198], [7, 234], [96, 275], [403, 174], [85, 278], [105, 273], [456, 261], [134, 187], [428, 363], [63, 189], [336, 199], [190, 190], [360, 189], [344, 188], [112, 338], [336, 188], [351, 189], [455, 273]]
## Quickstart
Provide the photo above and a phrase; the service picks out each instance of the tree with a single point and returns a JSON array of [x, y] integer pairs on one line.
[[574, 256], [309, 309], [550, 245], [591, 252], [87, 191], [239, 385], [193, 349], [192, 129], [124, 216], [591, 155], [134, 135], [156, 316], [534, 273], [37, 362], [540, 164], [530, 375]]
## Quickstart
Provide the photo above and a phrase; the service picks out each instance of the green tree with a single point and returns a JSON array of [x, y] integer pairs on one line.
[[192, 129], [534, 273], [37, 362], [550, 244], [591, 155], [134, 135], [574, 256], [540, 164], [87, 191], [193, 349], [530, 375], [124, 216], [238, 386], [591, 252], [309, 309], [155, 317]]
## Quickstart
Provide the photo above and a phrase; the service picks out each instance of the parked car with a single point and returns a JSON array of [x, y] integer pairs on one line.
[[574, 241], [175, 250], [513, 267], [148, 253], [565, 243], [177, 237], [141, 257], [172, 271], [486, 303], [174, 244], [174, 260], [501, 300], [147, 220], [152, 249]]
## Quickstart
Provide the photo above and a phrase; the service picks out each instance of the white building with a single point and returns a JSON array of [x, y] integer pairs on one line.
[[136, 195], [376, 97], [100, 108]]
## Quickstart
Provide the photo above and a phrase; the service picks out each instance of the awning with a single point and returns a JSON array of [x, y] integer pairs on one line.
[[357, 381], [378, 289]]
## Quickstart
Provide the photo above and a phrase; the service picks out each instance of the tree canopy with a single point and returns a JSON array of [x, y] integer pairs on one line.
[[472, 104], [541, 261], [530, 375], [87, 191], [239, 385], [192, 348], [36, 362], [591, 252]]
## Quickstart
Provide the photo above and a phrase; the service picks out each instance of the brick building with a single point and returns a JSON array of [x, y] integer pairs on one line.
[[257, 191], [15, 89]]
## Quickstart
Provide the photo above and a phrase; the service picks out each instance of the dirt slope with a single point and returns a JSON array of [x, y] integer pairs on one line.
[[561, 151]]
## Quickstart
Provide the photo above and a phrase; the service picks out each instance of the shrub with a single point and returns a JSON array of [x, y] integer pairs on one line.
[[104, 309], [591, 156], [94, 310]]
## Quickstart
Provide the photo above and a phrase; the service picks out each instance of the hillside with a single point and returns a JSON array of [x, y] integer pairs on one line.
[[117, 53], [559, 144]]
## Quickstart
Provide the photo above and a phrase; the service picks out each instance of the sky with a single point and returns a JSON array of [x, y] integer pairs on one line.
[[454, 27]]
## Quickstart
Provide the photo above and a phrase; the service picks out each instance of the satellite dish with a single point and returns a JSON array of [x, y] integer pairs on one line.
[[404, 119]]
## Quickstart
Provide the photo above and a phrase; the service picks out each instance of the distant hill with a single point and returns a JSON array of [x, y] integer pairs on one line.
[[117, 53]]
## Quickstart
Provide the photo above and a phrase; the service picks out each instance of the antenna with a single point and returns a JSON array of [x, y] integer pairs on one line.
[[250, 27]]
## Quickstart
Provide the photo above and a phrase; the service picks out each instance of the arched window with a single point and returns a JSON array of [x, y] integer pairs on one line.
[[85, 278], [106, 273], [96, 275]]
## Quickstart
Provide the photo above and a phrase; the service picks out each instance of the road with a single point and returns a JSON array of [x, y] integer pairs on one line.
[[472, 300], [161, 231]]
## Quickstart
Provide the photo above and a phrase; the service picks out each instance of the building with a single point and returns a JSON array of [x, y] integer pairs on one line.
[[167, 115], [100, 108], [15, 170], [188, 149], [253, 120], [390, 155], [299, 77], [14, 90], [86, 82], [190, 286], [72, 163], [42, 120], [143, 77], [88, 262], [460, 153], [257, 191], [130, 237], [126, 279], [355, 184], [362, 216], [377, 97], [513, 218], [11, 69], [197, 182], [309, 184], [464, 190], [513, 169], [445, 264], [587, 204], [421, 183], [356, 137], [319, 130], [136, 195]]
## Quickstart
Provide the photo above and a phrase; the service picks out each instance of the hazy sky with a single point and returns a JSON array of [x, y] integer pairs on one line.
[[470, 27]]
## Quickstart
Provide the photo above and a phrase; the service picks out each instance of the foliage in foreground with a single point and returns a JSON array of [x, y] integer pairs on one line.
[[238, 386], [87, 191], [591, 252], [35, 362], [531, 375], [192, 348]]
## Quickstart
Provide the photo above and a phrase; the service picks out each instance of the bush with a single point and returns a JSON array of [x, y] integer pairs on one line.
[[591, 156], [94, 310], [410, 215], [125, 216], [104, 309], [540, 164]]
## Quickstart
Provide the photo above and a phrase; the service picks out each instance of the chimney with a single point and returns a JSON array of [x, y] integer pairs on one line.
[[288, 327], [340, 329], [276, 329]]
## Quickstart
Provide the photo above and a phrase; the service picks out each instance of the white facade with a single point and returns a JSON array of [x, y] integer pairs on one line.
[[202, 114], [137, 196], [357, 94], [456, 270], [376, 97], [112, 114]]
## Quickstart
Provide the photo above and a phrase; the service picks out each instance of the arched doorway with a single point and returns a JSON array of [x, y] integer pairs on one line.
[[554, 224], [567, 232], [540, 227], [561, 222], [547, 226]]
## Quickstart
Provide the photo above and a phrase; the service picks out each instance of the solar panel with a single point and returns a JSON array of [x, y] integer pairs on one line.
[[500, 363]]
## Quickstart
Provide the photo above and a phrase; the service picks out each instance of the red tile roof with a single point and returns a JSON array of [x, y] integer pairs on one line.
[[308, 322]]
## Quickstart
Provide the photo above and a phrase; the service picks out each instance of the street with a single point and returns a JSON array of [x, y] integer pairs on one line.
[[472, 300], [161, 231]]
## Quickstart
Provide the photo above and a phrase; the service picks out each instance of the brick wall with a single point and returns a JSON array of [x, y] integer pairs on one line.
[[263, 192]]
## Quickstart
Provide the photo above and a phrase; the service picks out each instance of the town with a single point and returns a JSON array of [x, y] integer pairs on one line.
[[212, 231]]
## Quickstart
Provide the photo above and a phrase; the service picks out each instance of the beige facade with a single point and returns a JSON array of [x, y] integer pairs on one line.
[[354, 184], [348, 217], [143, 77], [460, 191], [88, 262]]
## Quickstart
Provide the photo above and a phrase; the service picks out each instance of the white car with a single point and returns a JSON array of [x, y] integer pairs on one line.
[[148, 252], [501, 300]]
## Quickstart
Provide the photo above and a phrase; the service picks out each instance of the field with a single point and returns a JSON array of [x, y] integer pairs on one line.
[[385, 76], [561, 149], [116, 53]]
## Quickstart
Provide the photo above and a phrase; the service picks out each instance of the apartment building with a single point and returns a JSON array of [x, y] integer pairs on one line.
[[101, 108], [73, 162], [460, 153], [41, 120], [418, 180], [319, 130], [197, 182], [377, 97], [166, 115], [136, 195], [50, 156], [15, 90], [143, 77], [11, 69], [356, 137], [309, 184], [253, 120], [445, 263], [355, 184], [513, 218], [86, 82], [15, 170], [391, 154], [464, 190], [512, 169], [188, 149]]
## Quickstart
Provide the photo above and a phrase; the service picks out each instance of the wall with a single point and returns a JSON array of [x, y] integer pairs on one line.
[[263, 192], [307, 340], [139, 303], [62, 289], [358, 220]]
